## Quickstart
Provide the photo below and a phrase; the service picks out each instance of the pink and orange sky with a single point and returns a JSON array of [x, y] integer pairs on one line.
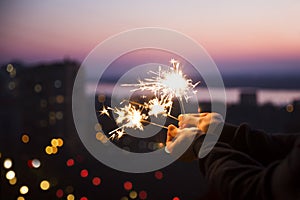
[[235, 33]]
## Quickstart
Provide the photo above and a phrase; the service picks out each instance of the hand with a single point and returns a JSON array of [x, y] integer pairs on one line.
[[178, 139], [200, 120]]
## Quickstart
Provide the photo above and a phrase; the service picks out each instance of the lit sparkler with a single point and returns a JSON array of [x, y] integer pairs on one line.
[[165, 85]]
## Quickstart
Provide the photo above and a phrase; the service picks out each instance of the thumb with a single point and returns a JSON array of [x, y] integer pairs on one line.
[[172, 130]]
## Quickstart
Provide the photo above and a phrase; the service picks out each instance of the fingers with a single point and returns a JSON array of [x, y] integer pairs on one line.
[[186, 120], [172, 132]]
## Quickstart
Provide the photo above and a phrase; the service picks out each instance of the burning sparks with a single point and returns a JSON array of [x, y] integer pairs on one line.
[[165, 85]]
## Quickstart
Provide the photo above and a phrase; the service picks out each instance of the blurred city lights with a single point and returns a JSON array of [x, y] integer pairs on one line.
[[70, 162], [83, 198], [20, 198], [158, 175], [176, 198], [48, 150], [45, 185], [290, 108], [24, 189], [59, 193], [13, 181], [10, 175], [7, 163], [70, 197], [96, 181], [84, 173], [143, 195], [25, 138], [36, 163], [127, 185], [54, 142], [133, 194]]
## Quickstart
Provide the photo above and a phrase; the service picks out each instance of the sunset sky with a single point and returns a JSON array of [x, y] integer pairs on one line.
[[239, 35]]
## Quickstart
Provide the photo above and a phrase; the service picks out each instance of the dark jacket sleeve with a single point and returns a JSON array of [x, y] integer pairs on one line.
[[242, 165], [263, 147]]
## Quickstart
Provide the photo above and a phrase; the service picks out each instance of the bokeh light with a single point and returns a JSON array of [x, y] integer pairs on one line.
[[54, 142], [10, 175], [176, 198], [96, 181], [59, 193], [143, 195], [290, 108], [133, 194], [36, 163], [54, 150], [20, 198], [127, 185], [7, 164], [70, 197], [158, 175], [60, 142], [70, 162], [13, 181], [48, 150], [83, 198], [24, 189], [45, 185], [124, 198], [84, 173], [25, 138]]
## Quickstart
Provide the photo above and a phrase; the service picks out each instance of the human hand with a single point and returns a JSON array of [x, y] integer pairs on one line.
[[182, 140], [200, 120]]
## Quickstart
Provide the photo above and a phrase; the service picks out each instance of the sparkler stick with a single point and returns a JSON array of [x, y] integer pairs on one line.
[[155, 124]]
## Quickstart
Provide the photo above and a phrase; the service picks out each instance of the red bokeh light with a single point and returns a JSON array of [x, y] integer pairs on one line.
[[96, 181], [159, 175], [84, 173], [127, 185], [176, 198], [70, 162], [83, 198], [59, 193], [143, 195], [29, 163]]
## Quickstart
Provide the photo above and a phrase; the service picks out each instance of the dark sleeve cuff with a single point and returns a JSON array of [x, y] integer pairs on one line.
[[227, 135]]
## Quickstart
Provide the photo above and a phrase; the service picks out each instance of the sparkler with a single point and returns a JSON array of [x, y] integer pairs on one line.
[[165, 85]]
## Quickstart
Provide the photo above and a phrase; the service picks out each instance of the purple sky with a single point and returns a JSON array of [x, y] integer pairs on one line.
[[252, 36]]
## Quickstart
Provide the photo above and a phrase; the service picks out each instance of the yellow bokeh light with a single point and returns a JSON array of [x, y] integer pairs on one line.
[[290, 108], [24, 189], [70, 197], [13, 181], [20, 198], [133, 194], [45, 185], [60, 142], [25, 138], [7, 163], [37, 88], [54, 150], [10, 175], [9, 68], [124, 198], [54, 142], [60, 99], [48, 150]]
